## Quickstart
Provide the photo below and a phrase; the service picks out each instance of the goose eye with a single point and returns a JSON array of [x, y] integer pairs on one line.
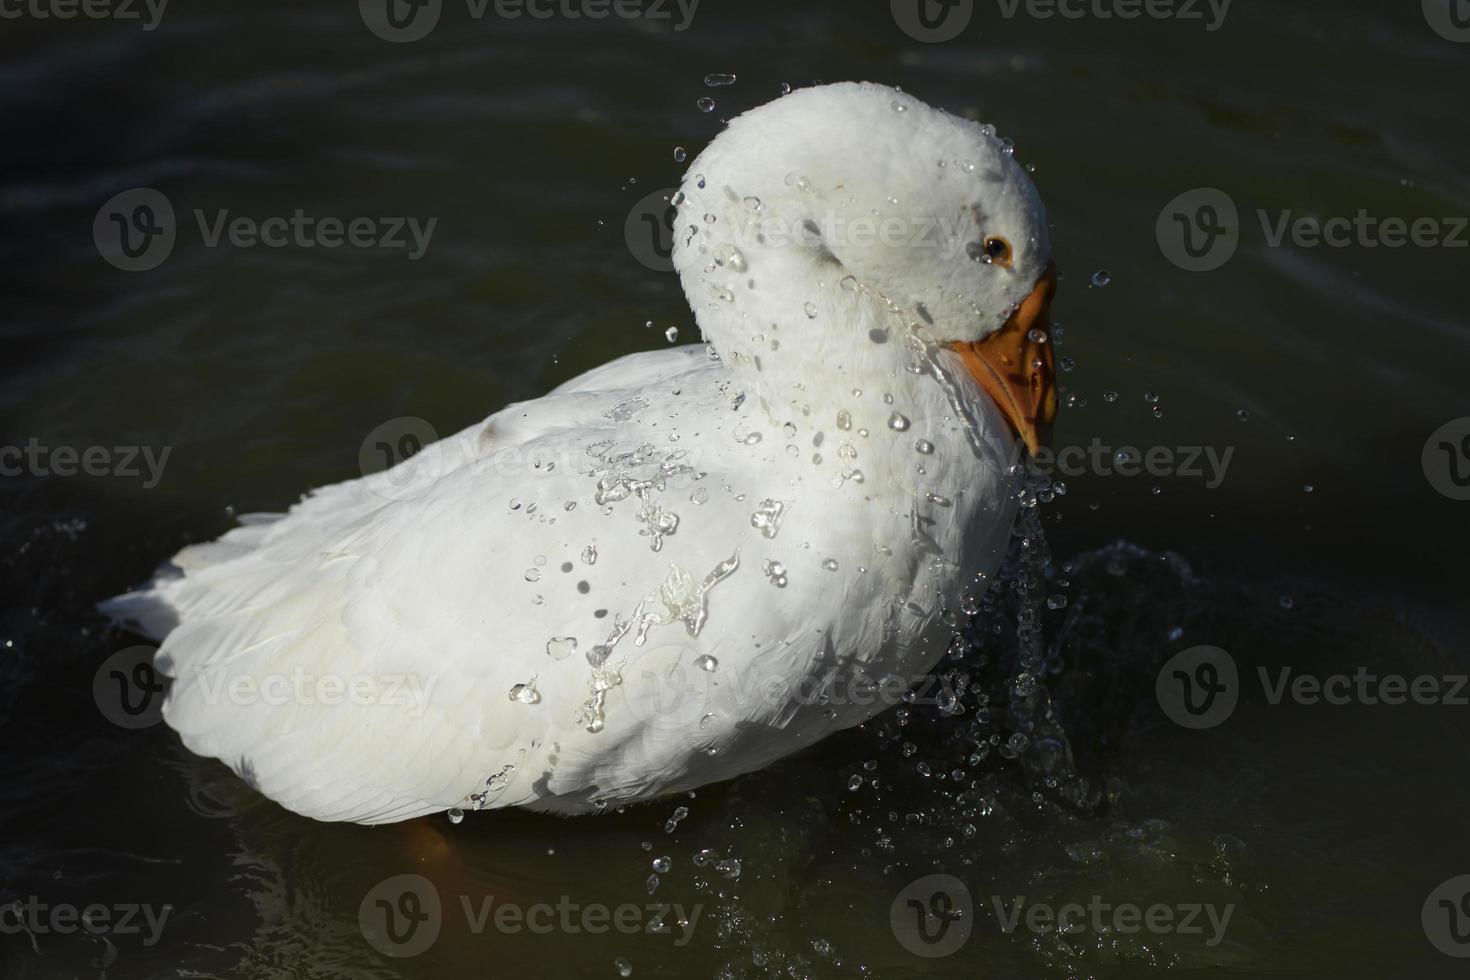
[[998, 250]]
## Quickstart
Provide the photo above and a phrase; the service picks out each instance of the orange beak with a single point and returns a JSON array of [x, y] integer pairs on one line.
[[1015, 369]]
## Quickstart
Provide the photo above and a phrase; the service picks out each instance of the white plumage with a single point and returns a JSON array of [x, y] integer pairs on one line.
[[670, 570]]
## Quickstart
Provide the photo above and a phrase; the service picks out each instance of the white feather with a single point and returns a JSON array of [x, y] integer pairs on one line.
[[446, 574]]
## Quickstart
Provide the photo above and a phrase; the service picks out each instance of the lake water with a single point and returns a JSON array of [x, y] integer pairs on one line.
[[1291, 838]]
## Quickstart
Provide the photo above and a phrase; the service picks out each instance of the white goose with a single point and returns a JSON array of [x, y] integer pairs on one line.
[[697, 565]]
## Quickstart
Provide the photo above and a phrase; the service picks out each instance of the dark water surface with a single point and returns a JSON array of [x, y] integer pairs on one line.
[[1323, 829]]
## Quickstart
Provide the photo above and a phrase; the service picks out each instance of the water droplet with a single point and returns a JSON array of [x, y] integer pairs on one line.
[[1057, 601], [924, 447], [707, 663], [671, 334], [589, 555], [1287, 602], [715, 80], [854, 782], [1110, 396], [897, 422], [730, 255], [515, 503], [525, 693], [1152, 397], [767, 517], [679, 157], [1243, 415], [561, 647], [1101, 278], [533, 574], [706, 104], [830, 564], [456, 815], [844, 419], [811, 311], [624, 968]]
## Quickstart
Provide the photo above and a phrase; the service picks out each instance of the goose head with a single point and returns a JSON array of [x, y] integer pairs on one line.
[[850, 235]]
